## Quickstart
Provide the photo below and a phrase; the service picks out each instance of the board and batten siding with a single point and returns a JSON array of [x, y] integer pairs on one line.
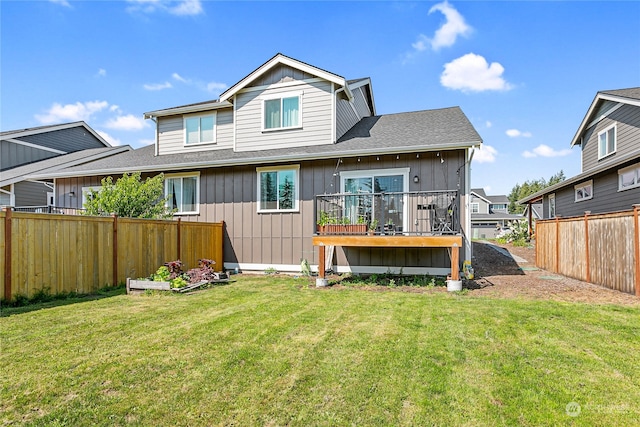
[[316, 118], [171, 134], [30, 193], [627, 121], [13, 155]]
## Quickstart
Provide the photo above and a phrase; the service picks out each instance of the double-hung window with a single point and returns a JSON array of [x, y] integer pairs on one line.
[[278, 189], [584, 191], [475, 207], [182, 192], [607, 142], [200, 129], [629, 177], [282, 112]]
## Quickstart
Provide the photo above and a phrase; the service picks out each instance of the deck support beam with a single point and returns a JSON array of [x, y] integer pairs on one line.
[[454, 242]]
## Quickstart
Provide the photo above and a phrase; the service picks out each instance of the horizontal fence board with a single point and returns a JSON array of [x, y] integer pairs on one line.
[[68, 253], [561, 247]]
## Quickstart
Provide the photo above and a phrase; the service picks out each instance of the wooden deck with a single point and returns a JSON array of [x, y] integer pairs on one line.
[[396, 241]]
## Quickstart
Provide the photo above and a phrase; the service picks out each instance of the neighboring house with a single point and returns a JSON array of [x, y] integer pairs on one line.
[[489, 214], [609, 137], [26, 151], [291, 145]]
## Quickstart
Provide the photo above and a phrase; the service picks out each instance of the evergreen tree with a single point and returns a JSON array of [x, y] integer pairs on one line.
[[520, 191]]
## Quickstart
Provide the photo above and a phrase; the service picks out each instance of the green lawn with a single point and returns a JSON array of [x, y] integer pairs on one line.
[[270, 351]]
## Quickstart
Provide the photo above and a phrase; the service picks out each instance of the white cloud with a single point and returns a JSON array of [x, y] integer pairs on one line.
[[157, 86], [101, 72], [173, 7], [71, 112], [543, 150], [179, 78], [515, 133], [454, 26], [486, 154], [216, 87], [128, 122], [110, 139], [488, 124], [472, 73], [487, 189]]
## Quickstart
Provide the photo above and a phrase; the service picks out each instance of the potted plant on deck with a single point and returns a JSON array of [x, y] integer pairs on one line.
[[373, 226]]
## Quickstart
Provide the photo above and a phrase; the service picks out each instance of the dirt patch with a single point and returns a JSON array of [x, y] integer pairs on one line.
[[500, 275]]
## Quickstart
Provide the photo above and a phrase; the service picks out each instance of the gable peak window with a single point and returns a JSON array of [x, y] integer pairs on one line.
[[200, 129], [607, 142], [282, 112]]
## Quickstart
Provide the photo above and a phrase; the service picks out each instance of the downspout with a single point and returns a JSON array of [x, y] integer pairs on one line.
[[467, 221]]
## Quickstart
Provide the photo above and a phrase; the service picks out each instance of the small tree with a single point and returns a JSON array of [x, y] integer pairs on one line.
[[130, 197]]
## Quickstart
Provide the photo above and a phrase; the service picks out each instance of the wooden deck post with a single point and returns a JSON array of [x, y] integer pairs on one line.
[[636, 229], [321, 262], [7, 254], [455, 260], [586, 239]]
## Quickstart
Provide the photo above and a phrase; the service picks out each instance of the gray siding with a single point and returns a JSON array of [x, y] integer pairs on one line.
[[67, 140], [483, 206], [171, 134], [350, 113], [30, 193], [627, 121], [606, 198], [12, 155], [280, 74], [284, 239], [316, 118]]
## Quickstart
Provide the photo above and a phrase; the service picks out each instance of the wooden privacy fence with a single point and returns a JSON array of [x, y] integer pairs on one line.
[[69, 253], [603, 249]]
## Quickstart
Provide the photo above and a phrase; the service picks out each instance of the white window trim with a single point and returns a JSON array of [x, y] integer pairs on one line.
[[581, 186], [552, 203], [12, 196], [631, 168], [184, 175], [296, 197], [615, 138], [86, 190], [213, 114], [366, 173], [281, 96], [476, 205]]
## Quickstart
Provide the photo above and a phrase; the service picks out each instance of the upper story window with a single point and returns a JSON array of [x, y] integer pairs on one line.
[[498, 207], [278, 189], [200, 129], [607, 142], [282, 112], [629, 177], [183, 192], [475, 207], [584, 191], [552, 205]]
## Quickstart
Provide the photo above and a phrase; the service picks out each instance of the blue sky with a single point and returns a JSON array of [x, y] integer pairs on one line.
[[524, 72]]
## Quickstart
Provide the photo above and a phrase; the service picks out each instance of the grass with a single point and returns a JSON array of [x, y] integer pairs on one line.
[[272, 351]]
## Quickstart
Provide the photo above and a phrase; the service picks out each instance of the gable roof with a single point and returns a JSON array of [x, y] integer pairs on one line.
[[280, 59], [480, 193], [630, 96], [420, 131], [19, 133], [46, 166]]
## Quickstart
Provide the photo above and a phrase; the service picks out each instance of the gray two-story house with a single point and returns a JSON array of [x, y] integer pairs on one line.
[[292, 148], [489, 214], [609, 137]]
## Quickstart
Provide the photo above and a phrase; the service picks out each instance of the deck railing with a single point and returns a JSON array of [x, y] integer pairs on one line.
[[48, 209], [407, 213]]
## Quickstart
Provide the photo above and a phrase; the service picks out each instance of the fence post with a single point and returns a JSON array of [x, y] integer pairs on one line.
[[179, 239], [557, 261], [636, 229], [7, 254], [115, 249], [586, 238]]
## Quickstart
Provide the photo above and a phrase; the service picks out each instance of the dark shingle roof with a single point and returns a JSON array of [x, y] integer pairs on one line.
[[633, 93], [412, 132]]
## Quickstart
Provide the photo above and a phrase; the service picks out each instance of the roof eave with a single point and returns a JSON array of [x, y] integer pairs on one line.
[[187, 109], [261, 160]]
